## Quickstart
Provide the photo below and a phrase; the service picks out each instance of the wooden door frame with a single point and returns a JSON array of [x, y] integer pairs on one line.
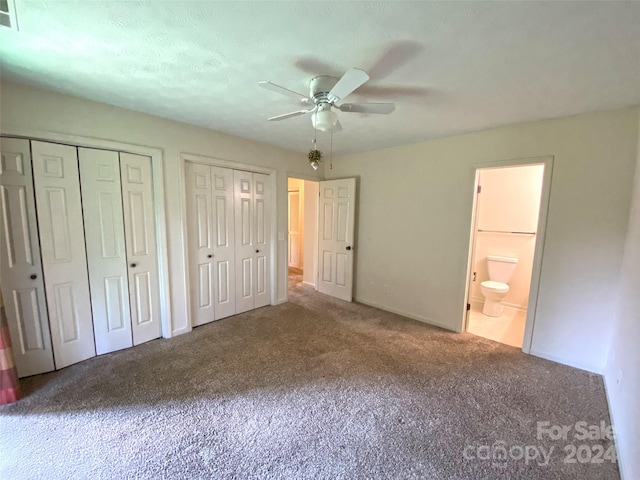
[[158, 197], [534, 288], [219, 162]]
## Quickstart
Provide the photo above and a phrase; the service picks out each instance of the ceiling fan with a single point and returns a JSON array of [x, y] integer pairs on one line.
[[325, 92]]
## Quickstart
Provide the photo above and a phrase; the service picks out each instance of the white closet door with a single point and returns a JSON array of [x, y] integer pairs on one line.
[[261, 239], [106, 253], [140, 239], [211, 242], [200, 238], [251, 195], [57, 188], [20, 265], [245, 248], [224, 242]]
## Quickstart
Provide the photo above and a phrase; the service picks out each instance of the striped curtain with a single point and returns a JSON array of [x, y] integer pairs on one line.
[[9, 386]]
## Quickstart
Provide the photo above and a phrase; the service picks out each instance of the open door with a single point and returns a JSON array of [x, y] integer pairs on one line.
[[336, 222]]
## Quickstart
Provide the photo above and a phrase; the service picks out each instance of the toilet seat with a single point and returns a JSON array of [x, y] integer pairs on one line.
[[495, 286]]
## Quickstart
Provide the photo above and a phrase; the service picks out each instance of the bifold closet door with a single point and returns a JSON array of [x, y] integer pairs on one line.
[[20, 264], [57, 192], [210, 231], [106, 251], [140, 241], [251, 195]]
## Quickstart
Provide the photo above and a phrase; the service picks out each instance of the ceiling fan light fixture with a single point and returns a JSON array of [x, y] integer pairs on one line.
[[324, 119]]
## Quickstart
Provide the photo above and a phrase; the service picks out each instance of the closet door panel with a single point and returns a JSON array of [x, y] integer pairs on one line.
[[57, 189], [140, 241], [261, 240], [224, 238], [20, 264], [244, 241], [200, 238], [106, 252]]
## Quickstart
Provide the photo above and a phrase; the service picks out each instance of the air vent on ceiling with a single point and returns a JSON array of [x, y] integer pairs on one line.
[[8, 14]]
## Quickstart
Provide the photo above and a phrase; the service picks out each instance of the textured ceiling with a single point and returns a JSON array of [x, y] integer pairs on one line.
[[450, 67]]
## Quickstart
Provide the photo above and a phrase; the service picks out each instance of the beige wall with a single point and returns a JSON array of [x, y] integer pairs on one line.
[[509, 202], [414, 217], [622, 375], [28, 108]]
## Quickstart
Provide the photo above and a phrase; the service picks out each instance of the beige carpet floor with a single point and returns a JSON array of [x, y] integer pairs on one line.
[[314, 388]]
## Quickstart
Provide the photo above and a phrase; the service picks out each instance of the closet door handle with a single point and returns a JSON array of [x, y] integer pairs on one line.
[[349, 247], [133, 265], [257, 251], [209, 256], [34, 276]]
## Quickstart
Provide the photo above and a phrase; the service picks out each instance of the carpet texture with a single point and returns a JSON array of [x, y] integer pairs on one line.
[[314, 388]]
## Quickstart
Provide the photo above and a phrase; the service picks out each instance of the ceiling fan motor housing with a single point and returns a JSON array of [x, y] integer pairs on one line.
[[319, 88]]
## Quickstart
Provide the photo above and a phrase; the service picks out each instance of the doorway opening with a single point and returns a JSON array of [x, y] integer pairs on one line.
[[505, 252], [302, 253]]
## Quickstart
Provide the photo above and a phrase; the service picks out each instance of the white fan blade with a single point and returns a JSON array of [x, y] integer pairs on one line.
[[285, 91], [290, 114], [383, 108], [347, 84]]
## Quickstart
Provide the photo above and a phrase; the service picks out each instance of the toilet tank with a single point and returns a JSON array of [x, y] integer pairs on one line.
[[501, 268]]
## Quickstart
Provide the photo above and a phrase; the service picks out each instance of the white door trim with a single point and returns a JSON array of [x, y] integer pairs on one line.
[[547, 161], [219, 162], [158, 196]]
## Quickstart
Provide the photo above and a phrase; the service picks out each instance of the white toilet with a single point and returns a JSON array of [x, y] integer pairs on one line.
[[494, 290]]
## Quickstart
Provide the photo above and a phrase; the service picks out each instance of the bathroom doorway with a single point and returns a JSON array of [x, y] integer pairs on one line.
[[302, 233], [507, 234]]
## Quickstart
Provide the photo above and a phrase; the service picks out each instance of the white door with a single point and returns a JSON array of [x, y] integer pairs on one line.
[[335, 237], [224, 242], [211, 242], [261, 206], [106, 253], [295, 257], [20, 265], [57, 189], [251, 205], [140, 241], [200, 246]]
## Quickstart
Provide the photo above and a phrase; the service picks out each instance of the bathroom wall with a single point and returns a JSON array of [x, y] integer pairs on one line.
[[509, 202]]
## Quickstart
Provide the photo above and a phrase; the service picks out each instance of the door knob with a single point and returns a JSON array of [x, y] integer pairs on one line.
[[34, 276], [133, 265], [209, 256], [257, 251], [348, 247]]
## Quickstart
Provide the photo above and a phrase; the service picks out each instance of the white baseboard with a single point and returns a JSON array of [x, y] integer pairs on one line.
[[609, 387], [310, 284], [564, 361], [405, 314]]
